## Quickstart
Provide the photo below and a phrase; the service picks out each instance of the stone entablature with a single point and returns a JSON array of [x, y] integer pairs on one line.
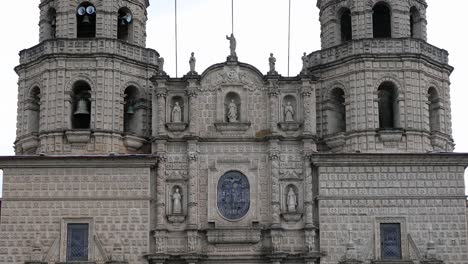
[[372, 48], [96, 47]]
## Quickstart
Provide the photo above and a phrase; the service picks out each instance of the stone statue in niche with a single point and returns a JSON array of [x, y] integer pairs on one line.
[[291, 200], [192, 62], [176, 202], [176, 113], [232, 115], [288, 113]]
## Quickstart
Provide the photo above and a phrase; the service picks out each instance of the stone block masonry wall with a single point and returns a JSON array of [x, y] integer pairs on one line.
[[420, 197], [39, 201]]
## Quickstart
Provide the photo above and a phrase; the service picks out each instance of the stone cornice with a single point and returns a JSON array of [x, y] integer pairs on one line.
[[390, 159], [91, 161]]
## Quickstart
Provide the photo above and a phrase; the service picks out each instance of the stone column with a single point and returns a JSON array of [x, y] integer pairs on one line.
[[161, 184], [273, 93], [274, 156], [308, 196], [310, 111], [160, 110], [192, 157], [193, 107]]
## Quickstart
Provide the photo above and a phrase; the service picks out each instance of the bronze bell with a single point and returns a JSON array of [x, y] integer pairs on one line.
[[82, 107], [130, 110], [85, 19]]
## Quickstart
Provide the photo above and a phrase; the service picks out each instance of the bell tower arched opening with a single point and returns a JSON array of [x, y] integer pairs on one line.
[[125, 24], [388, 105], [81, 106], [86, 20], [346, 28], [382, 21]]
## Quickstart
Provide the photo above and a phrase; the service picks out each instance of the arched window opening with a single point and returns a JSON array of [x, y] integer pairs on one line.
[[86, 20], [51, 23], [382, 21], [131, 97], [434, 110], [124, 24], [81, 106], [337, 115], [415, 23], [33, 110], [346, 25], [388, 106]]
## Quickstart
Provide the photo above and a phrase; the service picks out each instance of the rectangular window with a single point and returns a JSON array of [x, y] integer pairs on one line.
[[77, 242], [390, 239]]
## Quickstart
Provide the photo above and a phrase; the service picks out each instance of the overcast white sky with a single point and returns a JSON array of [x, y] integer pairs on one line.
[[260, 28]]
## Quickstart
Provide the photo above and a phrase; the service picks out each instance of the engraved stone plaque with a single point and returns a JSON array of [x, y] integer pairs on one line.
[[233, 197]]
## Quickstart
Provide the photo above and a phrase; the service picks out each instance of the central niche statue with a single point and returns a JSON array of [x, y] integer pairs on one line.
[[288, 113], [176, 202], [232, 112], [291, 200], [176, 113], [233, 198]]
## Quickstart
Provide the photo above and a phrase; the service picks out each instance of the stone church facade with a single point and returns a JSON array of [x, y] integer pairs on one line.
[[348, 162]]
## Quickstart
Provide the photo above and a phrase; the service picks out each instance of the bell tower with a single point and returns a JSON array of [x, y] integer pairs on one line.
[[382, 86], [84, 89]]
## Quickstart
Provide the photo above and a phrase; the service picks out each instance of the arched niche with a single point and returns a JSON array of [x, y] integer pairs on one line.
[[125, 24], [289, 106], [51, 24], [388, 105], [33, 109], [345, 23], [131, 97], [232, 109], [81, 105], [382, 20], [434, 109], [415, 23], [86, 20], [336, 116]]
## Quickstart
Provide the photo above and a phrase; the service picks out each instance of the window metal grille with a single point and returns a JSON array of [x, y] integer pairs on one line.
[[77, 242], [390, 239]]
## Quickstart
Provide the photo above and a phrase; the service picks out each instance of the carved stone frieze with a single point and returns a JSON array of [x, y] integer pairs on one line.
[[231, 76]]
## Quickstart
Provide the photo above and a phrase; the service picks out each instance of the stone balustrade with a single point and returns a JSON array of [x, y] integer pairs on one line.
[[77, 47], [400, 46]]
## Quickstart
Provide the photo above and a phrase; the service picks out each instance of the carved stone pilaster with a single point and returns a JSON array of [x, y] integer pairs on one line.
[[193, 106], [308, 196], [273, 94], [193, 242], [160, 238], [275, 185], [161, 186], [161, 94], [310, 240], [310, 112], [192, 160]]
